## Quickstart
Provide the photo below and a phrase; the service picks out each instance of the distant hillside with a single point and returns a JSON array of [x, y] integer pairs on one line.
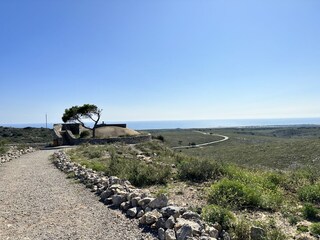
[[25, 135]]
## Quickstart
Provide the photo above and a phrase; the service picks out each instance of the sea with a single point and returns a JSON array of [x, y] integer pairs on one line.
[[185, 124]]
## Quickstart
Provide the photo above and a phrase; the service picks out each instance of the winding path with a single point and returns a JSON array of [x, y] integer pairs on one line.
[[224, 138], [37, 201]]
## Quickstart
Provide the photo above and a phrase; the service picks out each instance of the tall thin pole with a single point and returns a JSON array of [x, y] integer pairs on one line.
[[46, 121]]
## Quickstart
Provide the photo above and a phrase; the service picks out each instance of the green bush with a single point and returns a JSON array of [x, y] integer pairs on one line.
[[199, 170], [3, 147], [302, 228], [93, 152], [140, 174], [234, 194], [315, 228], [275, 234], [241, 230], [310, 193], [214, 213], [85, 134], [310, 212], [94, 165]]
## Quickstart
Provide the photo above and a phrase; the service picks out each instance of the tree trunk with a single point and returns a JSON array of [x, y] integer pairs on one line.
[[94, 132]]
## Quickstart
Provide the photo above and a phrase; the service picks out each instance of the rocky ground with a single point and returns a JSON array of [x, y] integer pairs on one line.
[[38, 202]]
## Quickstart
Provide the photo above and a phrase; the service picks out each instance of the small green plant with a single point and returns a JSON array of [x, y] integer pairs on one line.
[[160, 137], [162, 191], [293, 219], [215, 213], [71, 175], [241, 230], [302, 228], [315, 228], [3, 147], [275, 234], [310, 193], [141, 174], [85, 134], [199, 170], [234, 194], [94, 165], [93, 152], [310, 212]]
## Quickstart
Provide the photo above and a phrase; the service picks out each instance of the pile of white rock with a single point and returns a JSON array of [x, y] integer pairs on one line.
[[14, 153], [171, 222]]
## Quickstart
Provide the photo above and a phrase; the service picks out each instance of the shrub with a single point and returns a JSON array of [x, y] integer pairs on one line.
[[302, 228], [274, 180], [94, 165], [275, 234], [309, 211], [140, 174], [315, 228], [293, 220], [93, 152], [85, 134], [234, 194], [3, 147], [199, 170], [160, 137], [310, 193], [214, 213], [241, 230]]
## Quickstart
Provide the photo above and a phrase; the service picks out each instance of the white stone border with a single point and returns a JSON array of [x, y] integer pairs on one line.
[[172, 222], [14, 153]]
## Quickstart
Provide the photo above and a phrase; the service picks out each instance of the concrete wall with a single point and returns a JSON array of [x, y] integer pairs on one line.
[[73, 127], [128, 140], [64, 136]]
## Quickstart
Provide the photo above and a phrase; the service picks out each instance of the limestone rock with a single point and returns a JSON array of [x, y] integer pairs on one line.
[[161, 223], [134, 201], [117, 200], [214, 233], [190, 215], [150, 217], [184, 232], [106, 194], [170, 234], [172, 211], [159, 202], [132, 212], [125, 206], [257, 233], [161, 234], [170, 223], [196, 228], [140, 213], [144, 201]]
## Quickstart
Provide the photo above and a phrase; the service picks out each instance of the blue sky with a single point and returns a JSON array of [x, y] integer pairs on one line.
[[160, 60]]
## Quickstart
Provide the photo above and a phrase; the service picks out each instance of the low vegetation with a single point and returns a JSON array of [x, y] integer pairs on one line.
[[25, 135], [232, 190], [3, 147]]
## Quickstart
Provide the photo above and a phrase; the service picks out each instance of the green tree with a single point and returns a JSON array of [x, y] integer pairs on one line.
[[79, 113]]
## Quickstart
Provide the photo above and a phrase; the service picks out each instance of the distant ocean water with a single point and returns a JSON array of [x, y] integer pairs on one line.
[[146, 125]]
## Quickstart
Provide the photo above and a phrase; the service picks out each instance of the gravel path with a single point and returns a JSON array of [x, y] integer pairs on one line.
[[224, 138], [38, 202]]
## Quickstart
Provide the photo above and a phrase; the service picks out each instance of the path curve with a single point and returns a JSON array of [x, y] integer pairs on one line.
[[37, 201], [224, 138]]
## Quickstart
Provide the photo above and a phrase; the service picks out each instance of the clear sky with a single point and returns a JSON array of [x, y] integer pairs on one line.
[[160, 60]]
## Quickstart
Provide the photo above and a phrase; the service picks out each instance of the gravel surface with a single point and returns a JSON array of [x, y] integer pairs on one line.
[[37, 201]]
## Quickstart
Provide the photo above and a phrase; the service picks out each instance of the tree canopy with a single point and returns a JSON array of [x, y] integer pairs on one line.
[[79, 113]]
